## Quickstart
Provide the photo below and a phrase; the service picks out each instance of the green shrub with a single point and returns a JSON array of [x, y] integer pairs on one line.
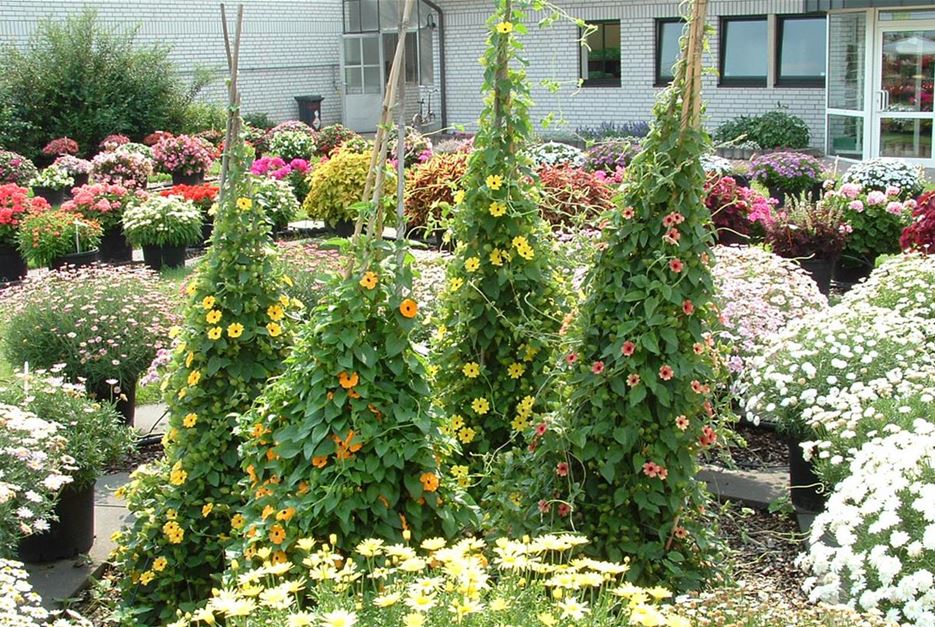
[[200, 117], [775, 129], [338, 183]]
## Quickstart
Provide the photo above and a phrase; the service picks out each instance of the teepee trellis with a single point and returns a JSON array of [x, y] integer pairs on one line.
[[233, 121]]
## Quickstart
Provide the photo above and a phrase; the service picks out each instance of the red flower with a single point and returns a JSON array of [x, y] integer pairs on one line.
[[571, 358], [597, 367], [628, 348], [562, 469], [666, 373], [688, 307], [708, 436], [544, 506], [540, 429], [676, 266], [633, 380], [564, 509]]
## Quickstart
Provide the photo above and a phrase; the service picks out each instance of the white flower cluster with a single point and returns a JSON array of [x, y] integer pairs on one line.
[[556, 153], [33, 468], [21, 607], [880, 174], [904, 283], [163, 220], [53, 177], [292, 145], [713, 164], [874, 546], [276, 199]]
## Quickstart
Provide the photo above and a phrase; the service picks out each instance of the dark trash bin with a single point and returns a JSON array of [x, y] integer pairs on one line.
[[310, 110]]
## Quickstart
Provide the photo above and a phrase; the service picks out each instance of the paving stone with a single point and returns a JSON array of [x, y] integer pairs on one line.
[[756, 489]]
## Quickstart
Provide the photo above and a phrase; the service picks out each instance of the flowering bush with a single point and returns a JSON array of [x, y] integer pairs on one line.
[[715, 166], [759, 294], [102, 203], [101, 322], [34, 466], [155, 137], [277, 201], [20, 606], [876, 219], [73, 165], [902, 283], [262, 144], [882, 174], [337, 184], [113, 142], [60, 146], [556, 154], [53, 177], [235, 336], [874, 545], [122, 167], [418, 147], [330, 138], [736, 210], [539, 581], [294, 172], [45, 236], [162, 221], [15, 204], [787, 172], [920, 234], [290, 145], [804, 229], [202, 196], [432, 185], [569, 194], [183, 154], [459, 142], [16, 168], [611, 156]]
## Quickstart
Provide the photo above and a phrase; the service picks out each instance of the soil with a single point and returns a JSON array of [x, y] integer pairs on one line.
[[765, 449], [144, 454]]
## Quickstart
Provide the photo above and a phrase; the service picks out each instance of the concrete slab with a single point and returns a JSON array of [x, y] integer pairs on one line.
[[756, 489]]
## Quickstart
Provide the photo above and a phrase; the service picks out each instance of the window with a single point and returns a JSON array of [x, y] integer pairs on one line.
[[668, 33], [800, 51], [600, 66], [361, 16], [743, 51], [412, 55]]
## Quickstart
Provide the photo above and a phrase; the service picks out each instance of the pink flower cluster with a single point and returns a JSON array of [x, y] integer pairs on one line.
[[122, 167], [183, 154], [61, 146], [277, 168], [14, 202], [113, 142], [102, 202]]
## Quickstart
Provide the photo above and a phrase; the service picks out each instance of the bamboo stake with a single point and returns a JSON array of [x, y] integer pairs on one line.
[[232, 133]]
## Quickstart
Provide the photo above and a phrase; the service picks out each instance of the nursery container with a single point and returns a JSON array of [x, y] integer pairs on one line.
[[127, 408], [114, 246], [852, 271], [821, 271], [54, 197], [12, 265], [344, 228], [188, 179], [804, 485], [70, 535], [207, 228], [159, 257], [78, 260]]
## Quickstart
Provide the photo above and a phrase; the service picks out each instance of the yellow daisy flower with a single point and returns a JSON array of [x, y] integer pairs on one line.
[[497, 208], [480, 406], [472, 264], [235, 330], [494, 182], [208, 302], [274, 329], [471, 370], [244, 204], [194, 377], [505, 28], [516, 370], [159, 564], [213, 316], [190, 420], [214, 333], [459, 196]]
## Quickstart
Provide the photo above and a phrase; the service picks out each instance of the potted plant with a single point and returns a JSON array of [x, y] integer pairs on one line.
[[787, 174], [15, 204], [163, 226], [52, 184], [105, 324], [920, 234], [186, 158], [79, 169], [738, 213], [16, 168], [34, 464], [203, 197], [96, 436], [57, 238], [293, 144], [294, 172], [113, 142], [811, 233], [60, 147], [277, 201], [105, 204], [123, 167]]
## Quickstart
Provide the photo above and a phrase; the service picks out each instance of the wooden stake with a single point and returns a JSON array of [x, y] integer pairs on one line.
[[232, 133]]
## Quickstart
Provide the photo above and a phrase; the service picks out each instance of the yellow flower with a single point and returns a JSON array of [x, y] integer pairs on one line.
[[369, 280], [466, 435], [208, 302], [237, 521], [459, 196], [338, 618], [519, 423], [191, 288], [244, 204], [235, 330], [190, 420], [287, 280], [147, 577], [189, 359], [275, 313], [173, 532], [174, 331], [674, 620], [177, 476], [516, 370], [182, 393], [547, 619], [480, 406], [496, 257], [194, 377], [505, 28], [213, 316], [471, 370], [494, 182], [457, 422], [413, 620], [497, 208], [646, 616], [499, 604], [206, 509], [472, 264], [526, 252], [159, 564], [274, 329], [214, 333], [455, 283]]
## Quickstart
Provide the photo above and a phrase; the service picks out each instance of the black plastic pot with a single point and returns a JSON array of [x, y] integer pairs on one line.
[[55, 197], [207, 228], [188, 179], [78, 260], [70, 535], [159, 257], [804, 484], [12, 265], [115, 247], [821, 271], [726, 237], [344, 228], [103, 391], [850, 272]]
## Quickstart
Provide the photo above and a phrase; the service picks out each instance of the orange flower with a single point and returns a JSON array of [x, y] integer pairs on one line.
[[348, 381], [408, 308], [353, 394], [369, 281], [303, 485], [271, 455], [347, 447], [279, 557], [277, 534], [318, 462], [267, 512], [285, 514], [429, 481], [258, 430]]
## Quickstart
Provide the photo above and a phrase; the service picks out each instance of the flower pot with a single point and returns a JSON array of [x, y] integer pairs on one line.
[[727, 237], [55, 197], [821, 271], [804, 485], [207, 228], [12, 265], [114, 245], [159, 257], [188, 179], [344, 228], [849, 273], [78, 260], [71, 534], [126, 407]]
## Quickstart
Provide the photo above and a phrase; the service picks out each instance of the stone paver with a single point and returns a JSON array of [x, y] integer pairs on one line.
[[754, 489]]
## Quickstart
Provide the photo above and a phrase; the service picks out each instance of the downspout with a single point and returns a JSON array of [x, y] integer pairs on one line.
[[443, 88]]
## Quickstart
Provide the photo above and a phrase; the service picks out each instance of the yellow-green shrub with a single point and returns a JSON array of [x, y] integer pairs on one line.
[[338, 183]]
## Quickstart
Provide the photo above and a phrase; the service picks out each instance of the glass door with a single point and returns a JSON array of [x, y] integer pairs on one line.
[[848, 89], [362, 63], [904, 118]]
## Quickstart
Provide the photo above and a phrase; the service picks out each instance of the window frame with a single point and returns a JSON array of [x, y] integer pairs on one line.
[[815, 82], [583, 59], [740, 81], [658, 80], [360, 21]]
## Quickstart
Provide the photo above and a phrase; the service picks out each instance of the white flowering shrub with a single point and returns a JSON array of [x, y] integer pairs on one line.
[[276, 199], [904, 283], [880, 174], [874, 546], [556, 153], [21, 607], [33, 468], [759, 293]]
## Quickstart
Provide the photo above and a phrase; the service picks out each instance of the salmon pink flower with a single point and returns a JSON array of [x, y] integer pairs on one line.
[[666, 373], [597, 367], [676, 265], [628, 348]]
